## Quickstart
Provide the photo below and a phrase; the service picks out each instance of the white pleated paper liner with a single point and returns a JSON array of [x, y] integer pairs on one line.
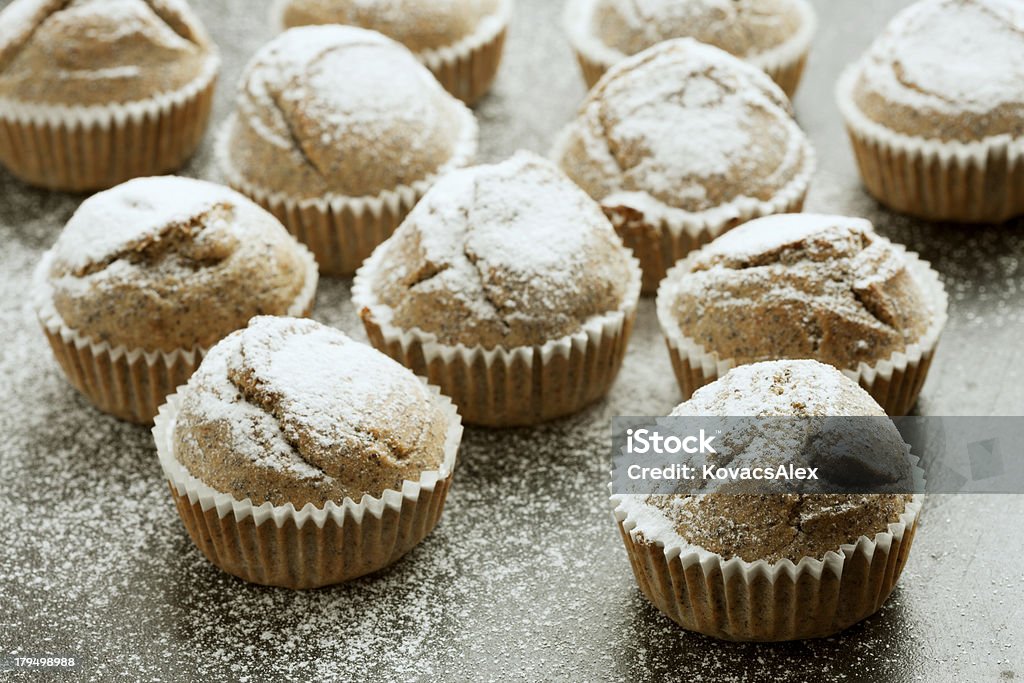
[[894, 382], [77, 148], [130, 383], [659, 239], [505, 387], [342, 231], [760, 601], [940, 180], [315, 546]]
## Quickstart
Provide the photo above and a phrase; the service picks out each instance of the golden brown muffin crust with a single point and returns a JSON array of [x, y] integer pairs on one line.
[[947, 70], [683, 128], [511, 254], [800, 286], [165, 263], [787, 526], [291, 411], [97, 52], [416, 24], [337, 110]]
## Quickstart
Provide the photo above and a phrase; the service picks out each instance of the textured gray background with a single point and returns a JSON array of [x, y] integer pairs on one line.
[[525, 578]]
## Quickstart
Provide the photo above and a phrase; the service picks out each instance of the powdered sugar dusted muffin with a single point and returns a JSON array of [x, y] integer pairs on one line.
[[147, 275], [93, 74], [513, 263], [460, 41], [681, 143], [934, 109], [335, 458], [774, 35], [338, 131], [823, 560], [805, 286]]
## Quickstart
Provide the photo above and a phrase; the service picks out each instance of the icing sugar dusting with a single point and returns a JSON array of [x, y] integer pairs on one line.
[[109, 222], [951, 55]]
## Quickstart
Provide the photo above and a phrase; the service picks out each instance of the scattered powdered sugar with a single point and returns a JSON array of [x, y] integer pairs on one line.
[[110, 222], [950, 56]]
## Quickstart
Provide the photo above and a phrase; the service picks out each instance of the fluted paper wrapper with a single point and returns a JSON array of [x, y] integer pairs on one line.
[[660, 241], [894, 382], [784, 63], [343, 231], [506, 387], [129, 383], [79, 148], [974, 182], [467, 68], [760, 601], [278, 545]]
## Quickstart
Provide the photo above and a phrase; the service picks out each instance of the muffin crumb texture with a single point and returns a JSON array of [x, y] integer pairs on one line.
[[291, 411], [98, 52], [511, 254], [683, 129], [800, 286], [786, 525], [947, 70], [164, 263]]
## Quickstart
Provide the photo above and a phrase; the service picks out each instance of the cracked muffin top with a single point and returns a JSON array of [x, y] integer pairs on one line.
[[947, 70], [418, 25], [292, 411], [510, 254], [337, 111], [97, 52], [773, 527], [799, 286], [165, 263], [684, 128], [745, 28]]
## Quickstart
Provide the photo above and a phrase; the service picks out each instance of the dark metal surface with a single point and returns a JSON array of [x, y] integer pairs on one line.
[[525, 578]]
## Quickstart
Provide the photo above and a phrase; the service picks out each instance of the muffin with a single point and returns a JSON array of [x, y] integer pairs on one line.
[[777, 566], [148, 275], [300, 458], [935, 111], [338, 132], [95, 92], [508, 288], [460, 41], [773, 35], [679, 144], [805, 286]]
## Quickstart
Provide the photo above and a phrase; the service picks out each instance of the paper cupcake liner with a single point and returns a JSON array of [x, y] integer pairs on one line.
[[466, 68], [660, 241], [129, 383], [976, 182], [78, 148], [506, 387], [761, 601], [343, 231], [894, 383], [280, 546], [784, 63]]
